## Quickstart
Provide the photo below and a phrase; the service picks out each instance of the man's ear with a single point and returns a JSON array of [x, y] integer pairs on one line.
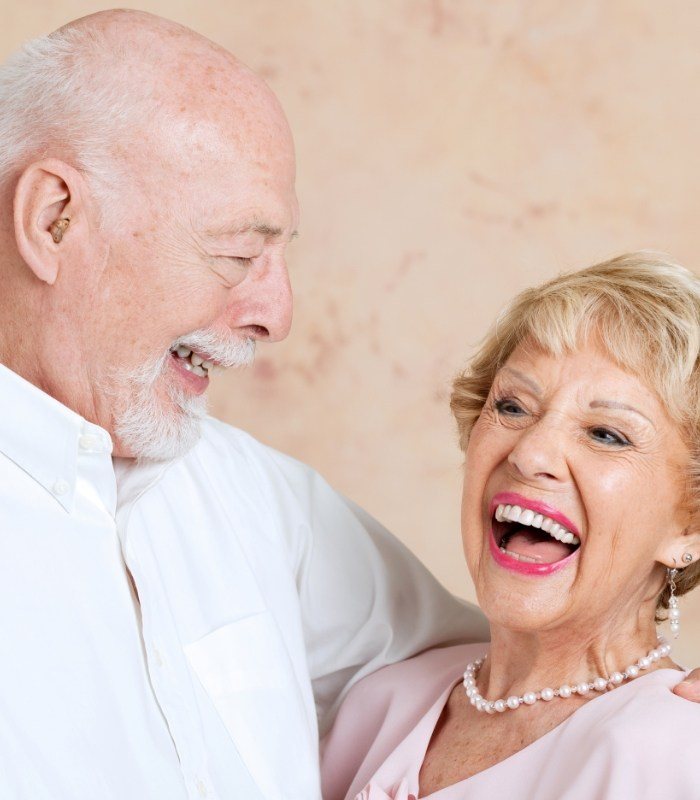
[[47, 193]]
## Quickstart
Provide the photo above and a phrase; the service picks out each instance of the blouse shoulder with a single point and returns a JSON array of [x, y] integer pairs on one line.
[[381, 710], [638, 742]]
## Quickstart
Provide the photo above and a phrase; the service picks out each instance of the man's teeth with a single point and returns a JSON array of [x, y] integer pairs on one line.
[[192, 362], [526, 516]]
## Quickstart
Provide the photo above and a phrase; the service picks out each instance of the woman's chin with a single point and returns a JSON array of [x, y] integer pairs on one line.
[[525, 602]]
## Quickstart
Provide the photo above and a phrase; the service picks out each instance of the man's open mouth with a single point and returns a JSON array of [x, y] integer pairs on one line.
[[527, 536], [191, 361]]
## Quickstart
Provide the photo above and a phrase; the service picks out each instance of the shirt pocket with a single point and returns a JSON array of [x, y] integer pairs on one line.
[[247, 673]]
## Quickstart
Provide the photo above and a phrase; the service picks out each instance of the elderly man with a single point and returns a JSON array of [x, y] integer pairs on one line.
[[184, 636]]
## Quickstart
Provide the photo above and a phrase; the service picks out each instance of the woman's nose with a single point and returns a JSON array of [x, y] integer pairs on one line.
[[540, 452]]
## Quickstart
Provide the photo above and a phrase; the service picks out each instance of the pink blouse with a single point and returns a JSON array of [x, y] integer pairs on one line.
[[637, 741]]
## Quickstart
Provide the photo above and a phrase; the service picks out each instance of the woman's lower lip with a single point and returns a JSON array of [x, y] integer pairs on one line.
[[525, 567], [196, 384]]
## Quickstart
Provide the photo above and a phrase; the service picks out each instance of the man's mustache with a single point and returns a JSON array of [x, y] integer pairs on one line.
[[224, 349]]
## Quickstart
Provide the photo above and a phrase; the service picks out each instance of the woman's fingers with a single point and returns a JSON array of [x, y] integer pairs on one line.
[[690, 687]]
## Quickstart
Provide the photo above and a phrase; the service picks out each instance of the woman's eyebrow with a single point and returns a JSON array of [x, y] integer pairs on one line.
[[619, 406], [524, 378]]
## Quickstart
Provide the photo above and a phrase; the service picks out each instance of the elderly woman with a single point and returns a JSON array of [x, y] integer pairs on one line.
[[580, 421]]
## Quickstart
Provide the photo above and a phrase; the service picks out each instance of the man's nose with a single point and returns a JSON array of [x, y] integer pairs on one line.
[[540, 452], [265, 307]]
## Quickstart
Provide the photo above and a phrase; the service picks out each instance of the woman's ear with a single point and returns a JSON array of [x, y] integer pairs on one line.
[[681, 550], [48, 215]]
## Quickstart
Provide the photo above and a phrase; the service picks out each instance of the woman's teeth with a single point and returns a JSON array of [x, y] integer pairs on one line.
[[521, 557], [529, 518], [192, 362]]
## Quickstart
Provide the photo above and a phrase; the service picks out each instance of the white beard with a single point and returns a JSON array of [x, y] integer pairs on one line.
[[148, 430]]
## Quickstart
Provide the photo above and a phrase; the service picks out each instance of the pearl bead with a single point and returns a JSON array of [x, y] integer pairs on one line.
[[617, 678], [565, 691], [644, 663], [500, 705], [512, 702], [654, 655], [664, 650], [600, 684], [489, 708], [471, 691], [529, 698], [547, 694], [582, 688], [632, 671], [674, 613]]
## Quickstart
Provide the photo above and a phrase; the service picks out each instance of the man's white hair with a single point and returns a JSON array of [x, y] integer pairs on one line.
[[62, 96]]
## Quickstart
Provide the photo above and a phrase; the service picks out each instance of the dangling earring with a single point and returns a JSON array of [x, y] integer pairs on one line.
[[674, 613]]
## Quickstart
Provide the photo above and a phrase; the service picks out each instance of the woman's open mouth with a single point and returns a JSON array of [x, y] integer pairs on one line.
[[525, 538]]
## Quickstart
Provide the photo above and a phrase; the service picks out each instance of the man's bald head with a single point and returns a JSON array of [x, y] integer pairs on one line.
[[170, 166], [113, 82]]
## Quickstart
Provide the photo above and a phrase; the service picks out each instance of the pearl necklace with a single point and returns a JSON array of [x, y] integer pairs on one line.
[[599, 684]]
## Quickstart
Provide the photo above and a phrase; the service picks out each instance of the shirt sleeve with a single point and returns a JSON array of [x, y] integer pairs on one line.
[[366, 600]]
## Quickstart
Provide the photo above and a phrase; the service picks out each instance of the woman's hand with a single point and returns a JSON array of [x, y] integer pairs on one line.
[[690, 687]]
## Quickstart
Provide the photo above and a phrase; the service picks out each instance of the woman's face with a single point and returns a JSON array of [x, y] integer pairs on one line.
[[588, 454]]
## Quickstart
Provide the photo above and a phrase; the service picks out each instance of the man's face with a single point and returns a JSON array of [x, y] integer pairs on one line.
[[194, 273]]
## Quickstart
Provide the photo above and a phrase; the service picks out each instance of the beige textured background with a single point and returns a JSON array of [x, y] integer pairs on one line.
[[450, 153]]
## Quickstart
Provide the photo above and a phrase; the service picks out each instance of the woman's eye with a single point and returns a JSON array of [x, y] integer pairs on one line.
[[608, 436], [509, 407]]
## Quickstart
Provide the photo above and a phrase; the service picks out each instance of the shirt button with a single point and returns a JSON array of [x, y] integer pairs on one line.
[[157, 657], [88, 442], [202, 788], [60, 487]]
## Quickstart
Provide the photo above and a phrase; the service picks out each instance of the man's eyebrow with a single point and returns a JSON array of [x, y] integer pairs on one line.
[[262, 228], [524, 378], [619, 406]]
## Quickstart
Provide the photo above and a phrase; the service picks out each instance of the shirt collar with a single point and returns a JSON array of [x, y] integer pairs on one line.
[[43, 437]]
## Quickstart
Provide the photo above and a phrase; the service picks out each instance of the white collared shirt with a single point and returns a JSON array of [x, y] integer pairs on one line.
[[261, 596]]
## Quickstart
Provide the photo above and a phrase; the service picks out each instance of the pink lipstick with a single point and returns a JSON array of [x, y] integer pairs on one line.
[[533, 568]]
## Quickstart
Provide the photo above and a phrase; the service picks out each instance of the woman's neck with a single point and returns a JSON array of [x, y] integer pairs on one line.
[[519, 662]]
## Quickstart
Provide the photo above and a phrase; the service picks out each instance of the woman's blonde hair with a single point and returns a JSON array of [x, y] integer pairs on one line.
[[643, 309]]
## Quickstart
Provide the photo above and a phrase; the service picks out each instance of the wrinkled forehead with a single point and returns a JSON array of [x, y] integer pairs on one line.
[[205, 128], [538, 343], [615, 352], [219, 169]]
